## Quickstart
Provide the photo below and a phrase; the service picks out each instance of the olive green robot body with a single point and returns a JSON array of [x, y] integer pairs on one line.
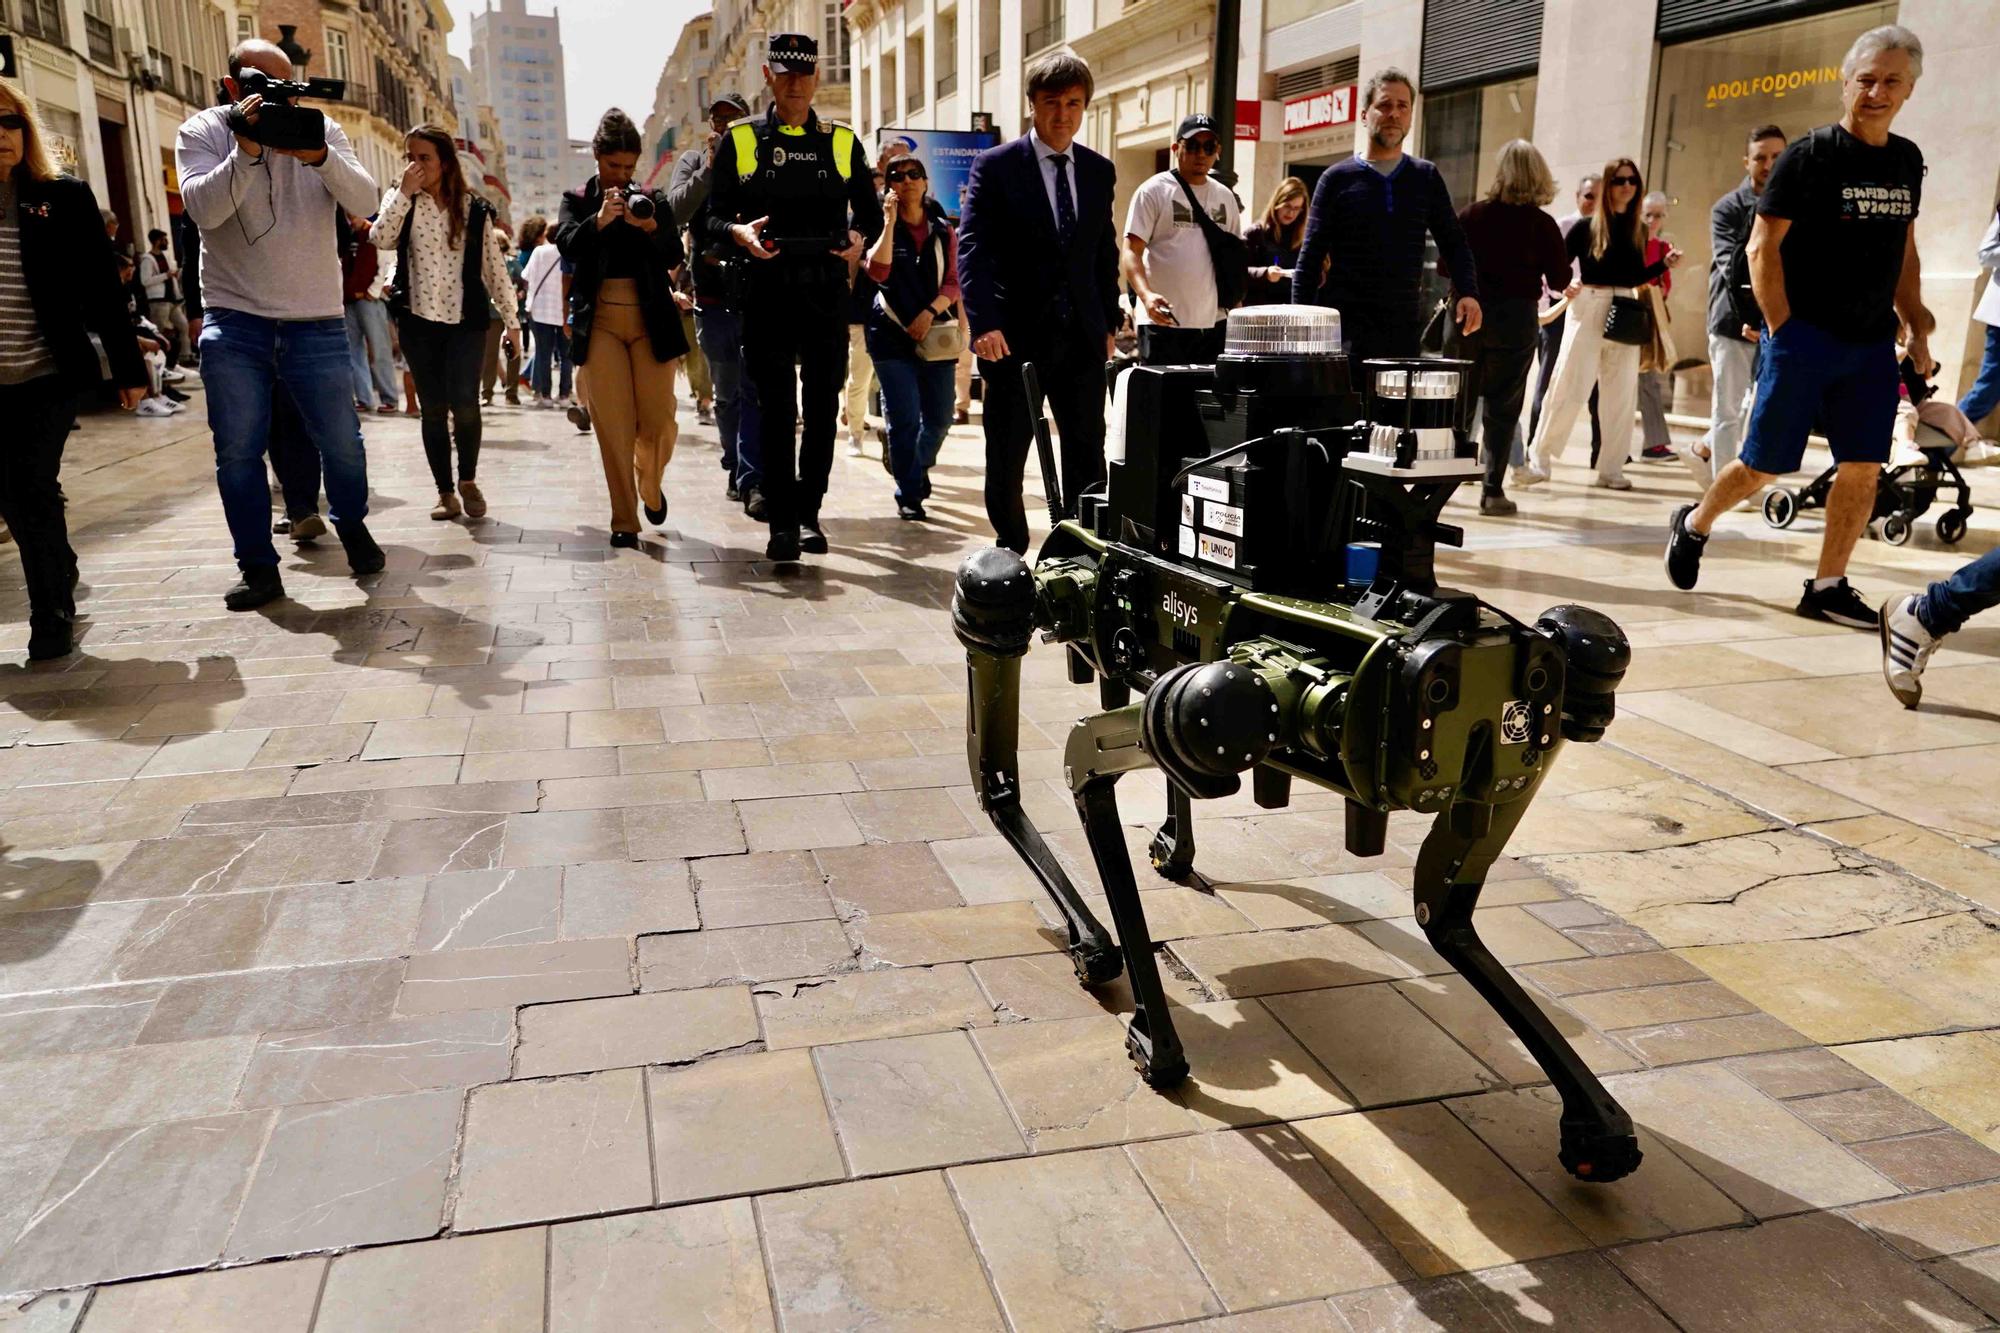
[[1394, 694]]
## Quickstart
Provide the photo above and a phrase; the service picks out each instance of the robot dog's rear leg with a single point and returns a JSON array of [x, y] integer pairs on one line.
[[993, 717], [1172, 851], [1151, 1041], [1597, 1139]]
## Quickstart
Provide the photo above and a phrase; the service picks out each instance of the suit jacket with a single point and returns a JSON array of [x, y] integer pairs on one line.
[[1011, 267], [73, 282]]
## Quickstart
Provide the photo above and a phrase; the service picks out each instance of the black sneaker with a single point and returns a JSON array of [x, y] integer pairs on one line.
[[753, 505], [364, 557], [260, 584], [812, 537], [1658, 453], [910, 513], [1684, 548], [1839, 604], [783, 547], [731, 492], [655, 516]]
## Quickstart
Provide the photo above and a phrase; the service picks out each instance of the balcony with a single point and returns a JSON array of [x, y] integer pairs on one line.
[[989, 64], [914, 102], [1042, 37], [97, 40], [947, 85]]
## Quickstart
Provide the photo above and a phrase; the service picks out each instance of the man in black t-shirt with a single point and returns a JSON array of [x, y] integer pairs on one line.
[[1833, 263]]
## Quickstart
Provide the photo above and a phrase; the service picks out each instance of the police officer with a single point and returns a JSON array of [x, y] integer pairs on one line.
[[795, 193]]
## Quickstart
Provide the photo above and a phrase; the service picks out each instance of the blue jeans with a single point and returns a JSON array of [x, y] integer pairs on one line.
[[369, 351], [550, 345], [1984, 395], [242, 358], [917, 398], [720, 332], [1951, 602]]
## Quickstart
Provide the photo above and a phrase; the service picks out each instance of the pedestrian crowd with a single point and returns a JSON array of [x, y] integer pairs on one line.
[[798, 281]]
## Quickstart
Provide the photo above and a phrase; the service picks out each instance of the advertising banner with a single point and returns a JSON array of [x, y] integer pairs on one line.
[[947, 157]]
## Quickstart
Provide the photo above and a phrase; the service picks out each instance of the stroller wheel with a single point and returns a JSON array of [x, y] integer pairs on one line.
[[1780, 508], [1951, 526], [1896, 529]]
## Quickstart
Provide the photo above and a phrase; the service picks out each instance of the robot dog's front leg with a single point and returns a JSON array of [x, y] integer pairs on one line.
[[993, 614]]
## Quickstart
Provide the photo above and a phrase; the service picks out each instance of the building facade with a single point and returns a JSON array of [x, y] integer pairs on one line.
[[517, 69], [742, 29], [1674, 84], [481, 150], [681, 99], [112, 81]]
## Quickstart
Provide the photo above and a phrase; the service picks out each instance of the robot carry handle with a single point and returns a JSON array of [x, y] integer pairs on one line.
[[1045, 450]]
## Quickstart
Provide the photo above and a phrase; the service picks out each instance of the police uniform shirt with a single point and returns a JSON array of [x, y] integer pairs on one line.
[[798, 185]]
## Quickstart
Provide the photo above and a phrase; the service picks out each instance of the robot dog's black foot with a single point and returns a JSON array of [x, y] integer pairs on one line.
[[1597, 1154], [1159, 1068], [1171, 855], [1096, 963]]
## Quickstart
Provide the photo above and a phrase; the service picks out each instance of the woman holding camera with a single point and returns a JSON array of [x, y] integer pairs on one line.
[[624, 246], [915, 330], [58, 287], [451, 274]]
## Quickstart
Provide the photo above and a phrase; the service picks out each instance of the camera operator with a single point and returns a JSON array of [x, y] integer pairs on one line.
[[450, 276], [625, 247], [271, 297], [717, 267], [785, 187]]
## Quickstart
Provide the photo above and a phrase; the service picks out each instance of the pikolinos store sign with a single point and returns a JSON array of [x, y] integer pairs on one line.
[[1319, 111]]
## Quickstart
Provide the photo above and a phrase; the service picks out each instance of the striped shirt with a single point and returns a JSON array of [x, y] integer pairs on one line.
[[24, 353]]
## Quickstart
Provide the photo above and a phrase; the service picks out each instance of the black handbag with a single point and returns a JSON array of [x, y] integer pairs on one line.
[[1228, 253], [1628, 321]]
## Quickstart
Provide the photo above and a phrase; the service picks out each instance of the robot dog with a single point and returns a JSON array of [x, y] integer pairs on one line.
[[1259, 568]]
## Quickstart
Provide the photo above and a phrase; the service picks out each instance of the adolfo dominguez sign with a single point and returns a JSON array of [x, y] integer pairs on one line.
[[1771, 85]]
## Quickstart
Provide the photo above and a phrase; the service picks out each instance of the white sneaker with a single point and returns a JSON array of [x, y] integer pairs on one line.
[[1613, 483], [171, 376], [1906, 648], [854, 449], [1530, 475], [156, 407], [1702, 469]]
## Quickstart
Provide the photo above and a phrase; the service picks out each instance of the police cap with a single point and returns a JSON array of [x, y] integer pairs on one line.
[[792, 53]]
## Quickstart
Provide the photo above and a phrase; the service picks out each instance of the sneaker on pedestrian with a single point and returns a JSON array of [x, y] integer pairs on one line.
[[910, 513], [447, 507], [1906, 649], [729, 490], [1701, 468], [172, 376], [1684, 548], [854, 449], [173, 395], [364, 557], [579, 416], [783, 547], [155, 407], [386, 409], [1657, 453], [1497, 506], [307, 528], [812, 537], [1528, 474], [473, 499], [1838, 603], [260, 584], [1612, 484], [753, 505], [49, 641]]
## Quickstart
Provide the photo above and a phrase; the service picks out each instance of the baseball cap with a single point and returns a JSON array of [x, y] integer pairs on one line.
[[734, 101], [1193, 125], [792, 53]]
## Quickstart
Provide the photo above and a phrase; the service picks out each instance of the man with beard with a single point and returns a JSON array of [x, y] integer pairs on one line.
[[1369, 215]]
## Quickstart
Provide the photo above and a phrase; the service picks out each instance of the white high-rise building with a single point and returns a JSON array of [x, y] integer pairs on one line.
[[517, 69]]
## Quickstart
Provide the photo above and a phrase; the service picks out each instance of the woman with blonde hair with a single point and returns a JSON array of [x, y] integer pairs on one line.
[[58, 287], [1610, 324], [1518, 249], [1274, 243]]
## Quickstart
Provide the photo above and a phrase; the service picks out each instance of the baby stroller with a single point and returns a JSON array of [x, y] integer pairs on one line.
[[1903, 494]]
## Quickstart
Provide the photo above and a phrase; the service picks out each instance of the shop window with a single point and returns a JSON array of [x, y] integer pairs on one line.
[[1463, 132]]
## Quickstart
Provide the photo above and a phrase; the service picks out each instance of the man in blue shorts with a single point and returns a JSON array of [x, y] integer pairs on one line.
[[1833, 262]]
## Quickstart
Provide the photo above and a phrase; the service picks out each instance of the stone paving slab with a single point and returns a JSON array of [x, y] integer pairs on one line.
[[539, 936]]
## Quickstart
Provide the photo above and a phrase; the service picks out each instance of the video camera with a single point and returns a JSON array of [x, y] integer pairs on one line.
[[1260, 569], [280, 123]]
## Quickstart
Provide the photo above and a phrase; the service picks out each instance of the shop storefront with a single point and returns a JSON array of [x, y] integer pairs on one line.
[[1318, 130], [1478, 77], [1712, 90]]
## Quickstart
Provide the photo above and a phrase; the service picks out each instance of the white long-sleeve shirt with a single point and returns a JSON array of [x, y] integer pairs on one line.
[[267, 223], [437, 267]]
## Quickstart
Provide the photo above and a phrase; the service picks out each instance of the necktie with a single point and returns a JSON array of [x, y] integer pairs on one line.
[[1065, 201]]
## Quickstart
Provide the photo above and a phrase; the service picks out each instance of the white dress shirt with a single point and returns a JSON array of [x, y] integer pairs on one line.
[[437, 277], [1045, 158]]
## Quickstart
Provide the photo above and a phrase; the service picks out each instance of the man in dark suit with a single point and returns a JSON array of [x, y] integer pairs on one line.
[[1038, 263]]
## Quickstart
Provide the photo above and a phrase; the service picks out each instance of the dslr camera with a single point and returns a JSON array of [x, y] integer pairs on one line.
[[281, 123], [639, 204]]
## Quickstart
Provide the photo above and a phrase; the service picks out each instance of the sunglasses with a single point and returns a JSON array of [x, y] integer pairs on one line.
[[1624, 180], [1202, 144], [13, 122], [907, 174]]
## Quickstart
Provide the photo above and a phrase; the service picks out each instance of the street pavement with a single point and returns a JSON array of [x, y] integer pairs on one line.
[[541, 936]]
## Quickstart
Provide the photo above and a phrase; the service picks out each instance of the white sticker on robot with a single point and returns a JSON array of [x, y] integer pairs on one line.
[[1208, 488], [1187, 510], [1516, 723], [1217, 551], [1223, 518], [1187, 540]]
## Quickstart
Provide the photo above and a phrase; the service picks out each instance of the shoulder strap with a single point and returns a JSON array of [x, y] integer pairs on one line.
[[1201, 217], [744, 135]]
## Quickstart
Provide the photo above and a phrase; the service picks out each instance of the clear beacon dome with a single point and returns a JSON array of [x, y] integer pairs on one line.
[[1264, 332]]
